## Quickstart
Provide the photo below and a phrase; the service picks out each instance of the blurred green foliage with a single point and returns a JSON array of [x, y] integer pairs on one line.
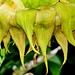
[[2, 56], [54, 63], [12, 59]]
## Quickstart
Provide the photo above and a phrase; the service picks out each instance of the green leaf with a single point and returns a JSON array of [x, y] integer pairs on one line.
[[29, 56], [0, 61], [26, 19], [8, 66], [3, 52], [37, 3], [55, 60], [43, 29], [2, 56], [71, 0], [61, 39], [67, 19], [39, 68], [54, 65], [19, 37]]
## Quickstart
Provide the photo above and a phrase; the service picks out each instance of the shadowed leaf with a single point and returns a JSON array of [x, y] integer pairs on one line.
[[19, 38], [61, 39], [6, 41]]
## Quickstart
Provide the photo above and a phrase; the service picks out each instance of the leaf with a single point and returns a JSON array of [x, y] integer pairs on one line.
[[67, 19], [70, 0], [9, 8], [61, 39], [55, 59], [40, 69], [3, 52], [19, 38], [26, 19], [6, 41], [5, 12], [2, 56], [43, 29], [0, 61], [37, 3], [29, 57], [4, 26], [54, 65]]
